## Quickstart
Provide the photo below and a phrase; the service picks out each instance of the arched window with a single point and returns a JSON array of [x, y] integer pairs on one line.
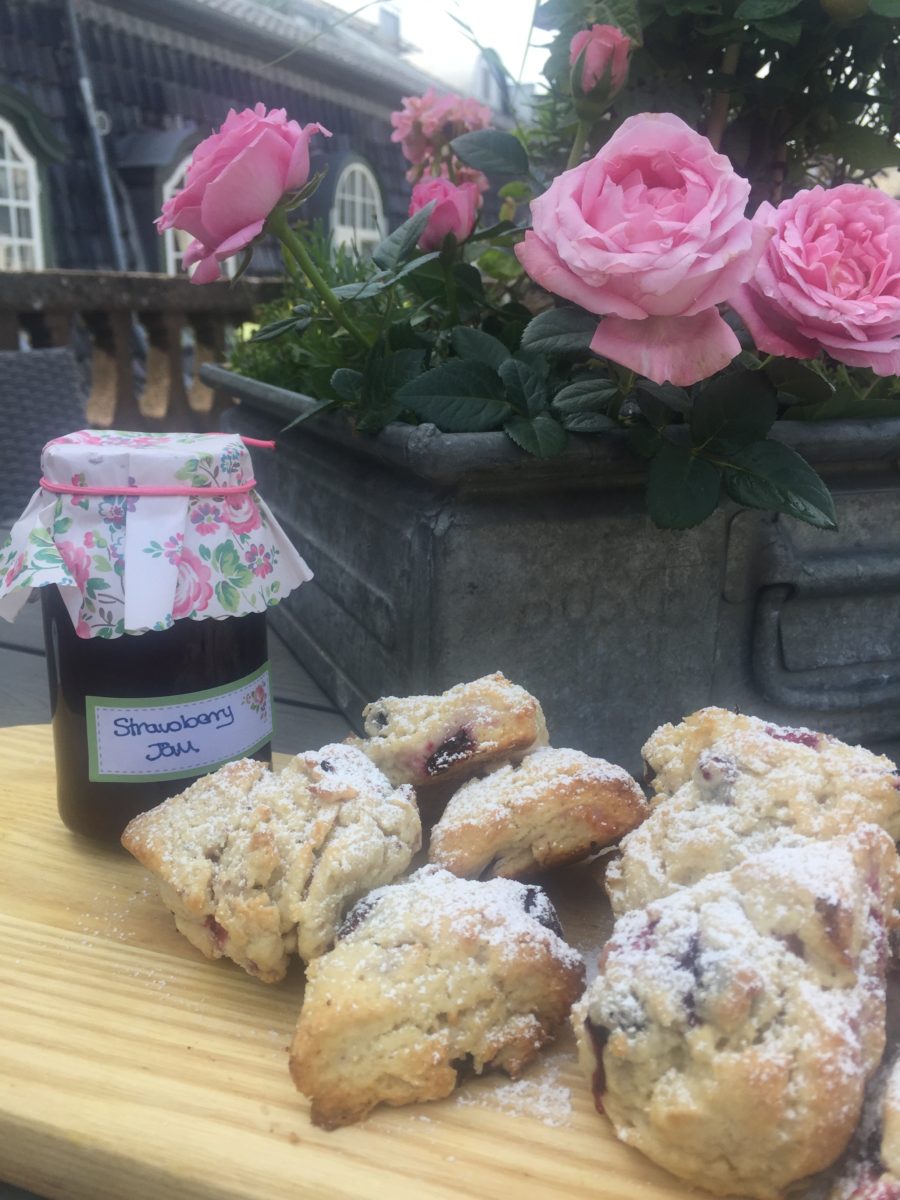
[[21, 236], [357, 218], [176, 241]]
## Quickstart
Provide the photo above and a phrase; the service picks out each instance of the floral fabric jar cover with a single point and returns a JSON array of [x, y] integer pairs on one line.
[[189, 556]]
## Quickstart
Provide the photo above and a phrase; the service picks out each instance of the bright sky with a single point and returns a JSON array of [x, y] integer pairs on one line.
[[445, 51]]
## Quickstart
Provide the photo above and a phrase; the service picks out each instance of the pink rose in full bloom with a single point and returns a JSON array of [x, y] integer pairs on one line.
[[651, 235], [455, 210], [605, 62], [78, 563], [236, 178], [192, 590], [829, 279]]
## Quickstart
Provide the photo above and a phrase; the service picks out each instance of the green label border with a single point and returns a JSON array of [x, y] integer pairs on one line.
[[92, 703]]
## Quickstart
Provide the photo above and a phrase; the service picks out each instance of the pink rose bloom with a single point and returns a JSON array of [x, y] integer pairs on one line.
[[235, 179], [242, 514], [15, 570], [650, 234], [829, 279], [606, 51], [78, 563], [192, 590], [455, 210]]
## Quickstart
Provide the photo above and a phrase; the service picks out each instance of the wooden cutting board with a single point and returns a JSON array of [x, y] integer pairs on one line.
[[133, 1069]]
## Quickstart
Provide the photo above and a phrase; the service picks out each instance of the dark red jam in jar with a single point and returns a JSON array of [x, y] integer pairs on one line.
[[175, 695], [157, 562]]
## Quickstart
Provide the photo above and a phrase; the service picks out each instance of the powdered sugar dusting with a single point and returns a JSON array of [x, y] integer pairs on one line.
[[540, 1095], [500, 912]]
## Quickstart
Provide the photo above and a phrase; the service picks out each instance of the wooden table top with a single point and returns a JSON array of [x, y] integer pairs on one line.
[[133, 1069]]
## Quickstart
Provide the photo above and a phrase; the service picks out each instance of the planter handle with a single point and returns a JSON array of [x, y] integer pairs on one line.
[[825, 689]]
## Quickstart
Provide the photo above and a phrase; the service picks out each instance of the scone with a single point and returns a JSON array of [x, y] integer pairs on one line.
[[429, 978], [872, 1169], [256, 866], [671, 753], [553, 807], [731, 787], [733, 1026], [427, 740]]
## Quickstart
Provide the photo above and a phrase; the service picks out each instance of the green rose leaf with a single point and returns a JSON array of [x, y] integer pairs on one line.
[[735, 409], [458, 397], [525, 389], [397, 245], [204, 552], [781, 30], [347, 383], [588, 422], [798, 382], [644, 440], [763, 10], [229, 597], [674, 398], [61, 525], [772, 476], [506, 231], [385, 375], [540, 435], [101, 563], [565, 330], [863, 148], [477, 346], [584, 396], [322, 406], [94, 586], [363, 290], [491, 151], [277, 328], [682, 489]]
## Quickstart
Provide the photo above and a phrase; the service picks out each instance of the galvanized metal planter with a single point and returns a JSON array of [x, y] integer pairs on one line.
[[441, 557]]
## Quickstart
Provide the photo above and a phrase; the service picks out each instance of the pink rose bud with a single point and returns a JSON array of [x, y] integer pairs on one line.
[[455, 210], [601, 52], [235, 179], [829, 279], [651, 235]]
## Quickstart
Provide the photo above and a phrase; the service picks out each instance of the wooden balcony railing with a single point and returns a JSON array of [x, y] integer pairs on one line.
[[145, 336]]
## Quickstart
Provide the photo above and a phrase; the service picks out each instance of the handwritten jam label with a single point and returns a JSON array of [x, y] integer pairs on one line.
[[176, 737]]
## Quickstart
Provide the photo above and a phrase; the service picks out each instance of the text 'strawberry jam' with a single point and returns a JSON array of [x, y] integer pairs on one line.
[[157, 561]]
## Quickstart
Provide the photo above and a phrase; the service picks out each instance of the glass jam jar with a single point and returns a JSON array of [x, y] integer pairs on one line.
[[157, 561]]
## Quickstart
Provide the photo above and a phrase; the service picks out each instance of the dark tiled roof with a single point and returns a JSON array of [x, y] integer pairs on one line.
[[152, 76]]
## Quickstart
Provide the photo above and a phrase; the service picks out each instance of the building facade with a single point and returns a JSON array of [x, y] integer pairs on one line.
[[158, 75]]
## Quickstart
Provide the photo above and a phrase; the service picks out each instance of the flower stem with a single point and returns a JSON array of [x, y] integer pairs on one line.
[[278, 225], [581, 136], [452, 298]]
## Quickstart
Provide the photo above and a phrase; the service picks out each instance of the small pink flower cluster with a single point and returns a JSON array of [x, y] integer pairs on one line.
[[425, 126]]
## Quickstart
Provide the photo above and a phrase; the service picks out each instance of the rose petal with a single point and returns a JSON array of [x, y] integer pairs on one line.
[[679, 350], [248, 188]]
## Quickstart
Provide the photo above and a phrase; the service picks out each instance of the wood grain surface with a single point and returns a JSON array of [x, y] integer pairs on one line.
[[133, 1069]]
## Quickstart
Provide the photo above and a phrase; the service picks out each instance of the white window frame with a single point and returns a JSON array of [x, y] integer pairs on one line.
[[11, 244], [176, 241], [357, 214]]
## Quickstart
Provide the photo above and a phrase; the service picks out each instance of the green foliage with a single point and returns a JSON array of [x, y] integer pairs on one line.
[[794, 91]]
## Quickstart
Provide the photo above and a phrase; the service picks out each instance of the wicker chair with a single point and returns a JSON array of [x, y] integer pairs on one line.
[[41, 397]]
